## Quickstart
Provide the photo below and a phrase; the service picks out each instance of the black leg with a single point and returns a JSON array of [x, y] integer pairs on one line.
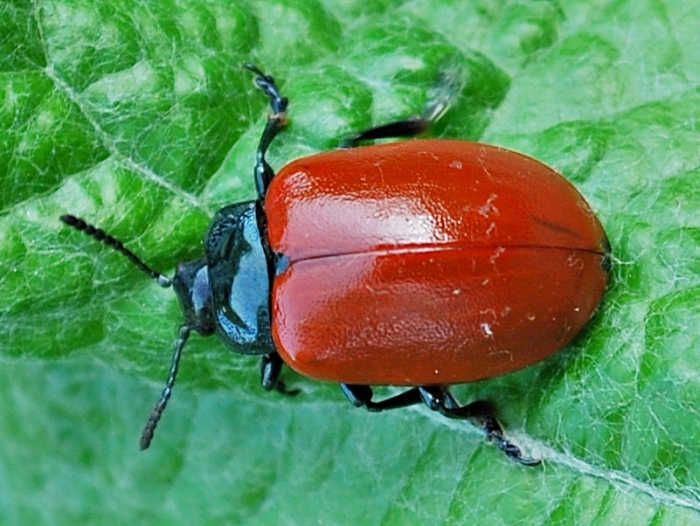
[[439, 399], [480, 413], [446, 90], [361, 396], [406, 128], [275, 122], [270, 369]]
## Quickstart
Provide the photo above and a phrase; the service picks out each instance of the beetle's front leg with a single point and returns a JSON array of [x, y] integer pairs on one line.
[[270, 370], [275, 122]]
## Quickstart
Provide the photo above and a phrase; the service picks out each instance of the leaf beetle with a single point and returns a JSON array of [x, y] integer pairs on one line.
[[421, 263]]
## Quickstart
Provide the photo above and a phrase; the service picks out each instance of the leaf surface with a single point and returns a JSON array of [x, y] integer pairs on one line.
[[138, 117]]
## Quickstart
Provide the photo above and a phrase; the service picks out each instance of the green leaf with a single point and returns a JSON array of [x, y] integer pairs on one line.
[[138, 117]]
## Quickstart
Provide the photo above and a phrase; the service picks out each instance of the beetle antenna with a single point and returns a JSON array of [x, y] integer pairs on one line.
[[99, 234], [150, 427]]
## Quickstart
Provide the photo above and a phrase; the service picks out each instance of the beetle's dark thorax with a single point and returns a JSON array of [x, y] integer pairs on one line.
[[239, 277]]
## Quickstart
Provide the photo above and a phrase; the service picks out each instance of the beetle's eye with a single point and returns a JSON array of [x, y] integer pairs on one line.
[[191, 284]]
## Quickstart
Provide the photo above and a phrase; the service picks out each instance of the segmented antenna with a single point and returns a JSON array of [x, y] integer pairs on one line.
[[163, 281], [99, 234], [150, 427]]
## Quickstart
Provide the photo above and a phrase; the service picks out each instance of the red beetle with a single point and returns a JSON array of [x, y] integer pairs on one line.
[[421, 263]]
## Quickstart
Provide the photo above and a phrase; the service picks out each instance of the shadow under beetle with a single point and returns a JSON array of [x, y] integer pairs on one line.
[[421, 263]]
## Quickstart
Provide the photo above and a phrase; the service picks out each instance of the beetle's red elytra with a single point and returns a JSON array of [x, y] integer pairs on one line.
[[428, 262], [421, 263]]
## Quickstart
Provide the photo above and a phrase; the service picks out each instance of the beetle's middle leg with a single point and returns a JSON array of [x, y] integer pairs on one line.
[[448, 86]]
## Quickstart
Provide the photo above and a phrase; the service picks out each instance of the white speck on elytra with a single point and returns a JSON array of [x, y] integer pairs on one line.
[[488, 208]]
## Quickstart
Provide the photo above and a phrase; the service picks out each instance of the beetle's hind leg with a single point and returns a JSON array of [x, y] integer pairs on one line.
[[361, 396], [479, 413], [439, 399]]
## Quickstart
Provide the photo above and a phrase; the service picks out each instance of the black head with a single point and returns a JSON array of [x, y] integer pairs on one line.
[[227, 292]]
